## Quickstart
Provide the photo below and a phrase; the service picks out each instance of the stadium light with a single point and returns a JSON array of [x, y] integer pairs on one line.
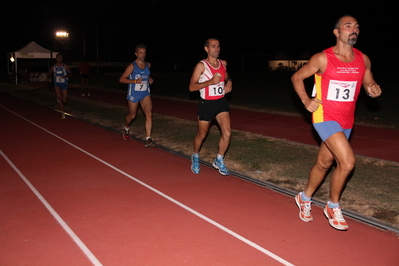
[[63, 38], [62, 34]]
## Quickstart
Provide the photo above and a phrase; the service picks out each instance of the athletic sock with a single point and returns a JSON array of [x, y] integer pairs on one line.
[[127, 129], [304, 197], [332, 205], [147, 138], [196, 154], [220, 157]]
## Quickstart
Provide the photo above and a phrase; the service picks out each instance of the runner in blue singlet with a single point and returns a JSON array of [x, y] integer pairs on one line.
[[61, 74], [137, 76]]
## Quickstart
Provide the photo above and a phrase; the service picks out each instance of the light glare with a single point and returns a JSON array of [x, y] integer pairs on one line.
[[62, 34]]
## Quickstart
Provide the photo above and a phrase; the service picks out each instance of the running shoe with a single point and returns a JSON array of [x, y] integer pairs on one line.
[[63, 116], [304, 208], [219, 165], [195, 166], [335, 217], [126, 134], [149, 143]]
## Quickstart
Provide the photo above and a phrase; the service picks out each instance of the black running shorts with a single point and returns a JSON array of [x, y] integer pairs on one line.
[[209, 109]]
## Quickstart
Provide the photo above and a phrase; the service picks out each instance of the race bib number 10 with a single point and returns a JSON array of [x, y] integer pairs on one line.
[[341, 91], [216, 90]]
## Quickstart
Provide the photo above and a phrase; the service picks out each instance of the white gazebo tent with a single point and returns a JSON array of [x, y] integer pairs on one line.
[[31, 51]]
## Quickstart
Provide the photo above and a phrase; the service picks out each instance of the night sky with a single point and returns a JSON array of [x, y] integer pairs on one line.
[[175, 30]]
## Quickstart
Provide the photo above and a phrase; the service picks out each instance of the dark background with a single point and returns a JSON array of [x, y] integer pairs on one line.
[[174, 31]]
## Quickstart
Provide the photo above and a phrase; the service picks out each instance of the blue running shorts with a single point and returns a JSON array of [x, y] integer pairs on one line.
[[62, 86], [328, 128], [135, 97]]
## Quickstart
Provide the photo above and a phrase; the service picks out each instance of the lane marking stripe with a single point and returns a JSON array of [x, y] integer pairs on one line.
[[223, 228], [69, 231]]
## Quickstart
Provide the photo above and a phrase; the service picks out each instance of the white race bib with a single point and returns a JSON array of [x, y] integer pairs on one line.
[[216, 90], [141, 87], [59, 79], [341, 91]]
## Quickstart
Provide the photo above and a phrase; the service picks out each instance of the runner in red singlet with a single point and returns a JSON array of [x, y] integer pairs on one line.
[[210, 77], [339, 72]]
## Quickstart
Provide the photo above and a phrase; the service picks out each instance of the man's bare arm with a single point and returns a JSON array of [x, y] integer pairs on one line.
[[369, 84], [315, 65]]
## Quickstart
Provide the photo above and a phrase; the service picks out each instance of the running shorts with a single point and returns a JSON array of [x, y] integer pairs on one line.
[[62, 86], [136, 96], [328, 128], [209, 109]]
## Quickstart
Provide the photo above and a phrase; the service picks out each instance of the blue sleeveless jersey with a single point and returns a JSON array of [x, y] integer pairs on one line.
[[138, 91], [139, 73], [60, 71]]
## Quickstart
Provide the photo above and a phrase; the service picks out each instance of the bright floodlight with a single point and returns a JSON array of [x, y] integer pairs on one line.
[[62, 34]]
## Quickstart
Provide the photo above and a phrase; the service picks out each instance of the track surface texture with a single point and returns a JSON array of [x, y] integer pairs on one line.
[[72, 193]]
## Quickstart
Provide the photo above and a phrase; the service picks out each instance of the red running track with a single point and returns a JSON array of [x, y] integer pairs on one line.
[[75, 194]]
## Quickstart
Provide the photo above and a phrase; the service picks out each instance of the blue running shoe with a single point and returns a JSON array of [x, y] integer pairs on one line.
[[195, 166], [219, 164]]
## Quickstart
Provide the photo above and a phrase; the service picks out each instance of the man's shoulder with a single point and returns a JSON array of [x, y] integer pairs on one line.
[[319, 57], [224, 62]]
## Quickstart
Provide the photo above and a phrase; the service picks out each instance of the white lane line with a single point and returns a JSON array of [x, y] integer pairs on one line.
[[223, 228], [69, 231]]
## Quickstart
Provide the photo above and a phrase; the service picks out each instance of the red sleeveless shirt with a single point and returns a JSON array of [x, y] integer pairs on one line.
[[338, 88]]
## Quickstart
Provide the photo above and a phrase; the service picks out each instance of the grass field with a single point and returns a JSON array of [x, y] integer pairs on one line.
[[372, 189]]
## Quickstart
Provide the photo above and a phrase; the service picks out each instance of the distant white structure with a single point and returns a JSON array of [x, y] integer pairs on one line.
[[283, 62], [30, 51]]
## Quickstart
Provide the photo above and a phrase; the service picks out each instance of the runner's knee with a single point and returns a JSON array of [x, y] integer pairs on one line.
[[226, 133], [324, 164], [347, 164], [201, 135]]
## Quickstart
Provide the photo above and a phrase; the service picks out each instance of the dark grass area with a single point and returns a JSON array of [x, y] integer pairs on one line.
[[266, 90], [270, 91]]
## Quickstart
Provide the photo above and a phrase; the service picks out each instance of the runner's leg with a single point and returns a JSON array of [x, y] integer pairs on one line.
[[146, 105], [339, 146], [203, 128], [223, 120], [132, 113], [59, 97]]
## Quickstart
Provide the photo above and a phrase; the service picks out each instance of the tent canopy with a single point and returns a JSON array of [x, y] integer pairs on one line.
[[34, 50], [30, 51]]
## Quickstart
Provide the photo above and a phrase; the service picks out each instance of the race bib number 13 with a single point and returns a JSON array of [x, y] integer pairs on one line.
[[341, 91]]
